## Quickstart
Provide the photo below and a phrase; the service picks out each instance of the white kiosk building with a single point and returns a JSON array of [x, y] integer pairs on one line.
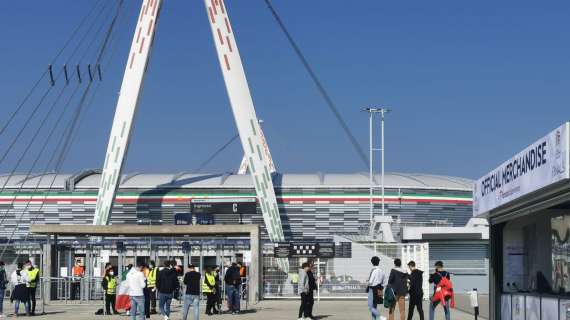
[[527, 202]]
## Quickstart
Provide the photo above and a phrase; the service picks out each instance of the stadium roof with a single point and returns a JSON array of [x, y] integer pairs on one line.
[[90, 179]]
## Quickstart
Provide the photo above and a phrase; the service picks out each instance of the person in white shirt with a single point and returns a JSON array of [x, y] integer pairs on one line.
[[136, 282], [19, 280], [376, 281]]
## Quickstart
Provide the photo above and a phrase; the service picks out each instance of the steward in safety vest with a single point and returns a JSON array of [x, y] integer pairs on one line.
[[151, 284], [209, 289], [109, 284], [33, 277]]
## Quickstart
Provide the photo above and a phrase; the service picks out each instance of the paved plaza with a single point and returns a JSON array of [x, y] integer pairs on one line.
[[268, 309]]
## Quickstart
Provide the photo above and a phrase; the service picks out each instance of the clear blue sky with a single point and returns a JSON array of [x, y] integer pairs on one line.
[[470, 83]]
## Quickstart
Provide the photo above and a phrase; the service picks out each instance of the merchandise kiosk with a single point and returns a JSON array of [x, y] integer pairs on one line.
[[527, 202]]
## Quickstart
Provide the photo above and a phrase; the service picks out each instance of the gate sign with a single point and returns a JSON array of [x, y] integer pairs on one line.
[[224, 206], [304, 250], [541, 164]]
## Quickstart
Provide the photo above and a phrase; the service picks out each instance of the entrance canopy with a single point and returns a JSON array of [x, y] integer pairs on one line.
[[251, 230]]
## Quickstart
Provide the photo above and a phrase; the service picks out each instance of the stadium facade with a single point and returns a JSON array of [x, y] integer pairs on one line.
[[319, 206]]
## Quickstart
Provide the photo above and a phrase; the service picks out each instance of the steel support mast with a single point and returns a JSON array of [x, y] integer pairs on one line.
[[252, 140], [131, 88]]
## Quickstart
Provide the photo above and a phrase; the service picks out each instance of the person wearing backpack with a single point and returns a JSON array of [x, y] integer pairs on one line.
[[376, 281], [398, 281], [233, 285], [436, 278]]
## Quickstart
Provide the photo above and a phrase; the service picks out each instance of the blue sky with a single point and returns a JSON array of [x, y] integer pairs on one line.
[[470, 83]]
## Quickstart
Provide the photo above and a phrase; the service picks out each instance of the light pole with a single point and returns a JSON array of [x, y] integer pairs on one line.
[[371, 112]]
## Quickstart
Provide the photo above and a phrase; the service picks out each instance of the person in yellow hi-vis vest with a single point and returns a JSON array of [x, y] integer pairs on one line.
[[151, 284], [109, 284], [33, 278], [209, 289]]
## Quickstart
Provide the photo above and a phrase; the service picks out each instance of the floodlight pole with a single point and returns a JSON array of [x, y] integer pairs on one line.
[[371, 111]]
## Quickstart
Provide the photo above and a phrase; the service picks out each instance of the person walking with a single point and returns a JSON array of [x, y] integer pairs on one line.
[[109, 285], [376, 281], [416, 291], [3, 282], [124, 274], [19, 280], [151, 283], [166, 284], [137, 283], [398, 281], [303, 291], [233, 285], [436, 278], [146, 291], [33, 276], [312, 288], [209, 289], [192, 296]]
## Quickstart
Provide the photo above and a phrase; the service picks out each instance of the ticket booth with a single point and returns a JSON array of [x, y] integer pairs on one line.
[[527, 202]]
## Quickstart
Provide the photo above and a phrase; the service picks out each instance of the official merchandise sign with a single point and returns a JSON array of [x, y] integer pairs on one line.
[[304, 250], [541, 164]]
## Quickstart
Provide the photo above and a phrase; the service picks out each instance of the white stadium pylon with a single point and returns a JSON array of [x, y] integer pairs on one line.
[[126, 108], [244, 166], [244, 114], [252, 139]]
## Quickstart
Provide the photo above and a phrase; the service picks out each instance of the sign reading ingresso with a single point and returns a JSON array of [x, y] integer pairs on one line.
[[541, 164]]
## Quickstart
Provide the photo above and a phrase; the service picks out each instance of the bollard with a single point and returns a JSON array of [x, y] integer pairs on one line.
[[474, 299]]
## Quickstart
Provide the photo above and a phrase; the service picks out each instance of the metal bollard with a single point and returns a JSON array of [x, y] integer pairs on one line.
[[474, 299]]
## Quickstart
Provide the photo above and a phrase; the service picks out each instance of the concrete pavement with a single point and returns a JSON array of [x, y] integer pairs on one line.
[[268, 309]]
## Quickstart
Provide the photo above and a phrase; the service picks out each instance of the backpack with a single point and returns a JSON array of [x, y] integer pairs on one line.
[[389, 297]]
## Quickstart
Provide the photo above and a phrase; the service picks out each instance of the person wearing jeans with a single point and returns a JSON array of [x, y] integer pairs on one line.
[[435, 278], [191, 300], [137, 282], [376, 281], [165, 300]]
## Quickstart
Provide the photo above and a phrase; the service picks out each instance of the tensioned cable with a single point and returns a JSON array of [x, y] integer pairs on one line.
[[216, 153], [357, 147], [36, 108], [29, 94], [69, 137], [39, 156]]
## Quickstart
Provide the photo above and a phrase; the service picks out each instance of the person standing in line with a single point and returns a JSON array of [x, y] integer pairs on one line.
[[33, 276], [19, 280], [218, 294], [416, 291], [146, 291], [137, 283], [192, 296], [124, 274], [166, 284], [312, 288], [209, 289], [109, 285], [151, 283], [3, 282], [303, 291], [294, 281], [435, 278], [398, 281], [233, 285], [376, 281]]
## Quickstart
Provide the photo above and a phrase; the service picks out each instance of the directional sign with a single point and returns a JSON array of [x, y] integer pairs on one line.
[[304, 250], [217, 206], [344, 250]]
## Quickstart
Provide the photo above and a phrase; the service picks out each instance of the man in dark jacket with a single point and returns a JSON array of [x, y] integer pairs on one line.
[[166, 284], [312, 288], [3, 283], [192, 296], [233, 288], [398, 281], [435, 278], [416, 291]]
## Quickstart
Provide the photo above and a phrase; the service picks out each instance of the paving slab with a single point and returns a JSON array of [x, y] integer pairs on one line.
[[268, 309]]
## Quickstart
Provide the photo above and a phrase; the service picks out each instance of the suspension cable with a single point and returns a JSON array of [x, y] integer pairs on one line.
[[357, 147], [216, 153]]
